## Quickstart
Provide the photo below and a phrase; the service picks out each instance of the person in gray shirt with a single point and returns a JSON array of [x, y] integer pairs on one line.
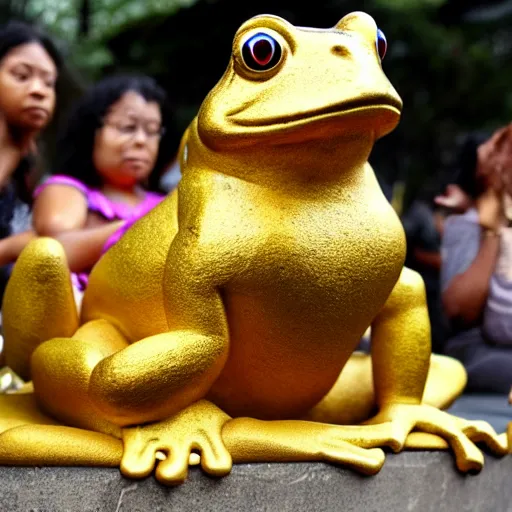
[[476, 271]]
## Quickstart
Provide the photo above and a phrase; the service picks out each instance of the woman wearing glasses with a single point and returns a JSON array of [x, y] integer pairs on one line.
[[113, 142]]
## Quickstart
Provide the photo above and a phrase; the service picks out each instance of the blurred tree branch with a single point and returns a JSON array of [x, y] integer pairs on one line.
[[84, 18]]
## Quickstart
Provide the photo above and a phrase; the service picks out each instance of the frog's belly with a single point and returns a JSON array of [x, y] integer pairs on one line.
[[288, 346], [279, 367]]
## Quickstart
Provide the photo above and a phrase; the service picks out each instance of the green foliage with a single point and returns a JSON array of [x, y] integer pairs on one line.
[[106, 19], [111, 16], [407, 4], [60, 16], [453, 74]]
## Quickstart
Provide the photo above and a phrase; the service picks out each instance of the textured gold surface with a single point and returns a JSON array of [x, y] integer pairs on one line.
[[39, 306], [58, 446], [224, 323]]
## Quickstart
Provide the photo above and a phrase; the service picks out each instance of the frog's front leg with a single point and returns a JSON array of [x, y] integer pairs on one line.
[[155, 384], [401, 356], [153, 389]]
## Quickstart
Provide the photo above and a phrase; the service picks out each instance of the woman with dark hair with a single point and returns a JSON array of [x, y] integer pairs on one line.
[[476, 272], [113, 143], [29, 66]]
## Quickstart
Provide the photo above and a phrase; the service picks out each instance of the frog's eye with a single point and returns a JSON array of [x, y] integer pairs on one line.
[[382, 44], [261, 52]]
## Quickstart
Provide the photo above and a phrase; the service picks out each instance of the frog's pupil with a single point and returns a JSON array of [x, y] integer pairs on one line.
[[262, 51], [382, 48], [382, 44]]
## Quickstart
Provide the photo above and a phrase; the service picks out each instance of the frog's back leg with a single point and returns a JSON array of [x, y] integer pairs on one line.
[[351, 400], [55, 445], [62, 368], [38, 303]]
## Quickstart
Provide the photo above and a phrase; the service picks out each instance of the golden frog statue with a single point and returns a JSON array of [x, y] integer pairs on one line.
[[222, 327]]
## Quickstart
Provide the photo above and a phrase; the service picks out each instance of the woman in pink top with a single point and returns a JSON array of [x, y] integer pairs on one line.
[[112, 145], [99, 203]]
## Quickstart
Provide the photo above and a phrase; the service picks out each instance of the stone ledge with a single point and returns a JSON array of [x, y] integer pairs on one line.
[[411, 481]]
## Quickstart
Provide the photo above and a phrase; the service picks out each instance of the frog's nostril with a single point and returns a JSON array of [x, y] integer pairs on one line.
[[340, 50]]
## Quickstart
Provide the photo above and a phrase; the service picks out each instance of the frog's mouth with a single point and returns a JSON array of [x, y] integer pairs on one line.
[[366, 104]]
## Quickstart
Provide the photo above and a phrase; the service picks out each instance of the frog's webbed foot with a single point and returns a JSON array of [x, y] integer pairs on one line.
[[460, 434], [354, 446], [333, 448], [197, 428]]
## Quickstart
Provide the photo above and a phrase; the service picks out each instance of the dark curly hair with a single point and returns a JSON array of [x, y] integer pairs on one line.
[[74, 155]]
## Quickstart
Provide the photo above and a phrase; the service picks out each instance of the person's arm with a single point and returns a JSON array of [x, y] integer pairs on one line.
[[431, 259], [57, 209], [465, 295], [11, 247], [454, 199], [60, 211], [84, 247]]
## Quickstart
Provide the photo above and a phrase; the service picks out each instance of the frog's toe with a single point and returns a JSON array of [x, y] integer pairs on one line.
[[215, 459], [139, 454], [174, 469], [482, 432]]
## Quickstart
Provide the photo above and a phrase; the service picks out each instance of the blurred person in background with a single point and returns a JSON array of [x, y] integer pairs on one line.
[[110, 154], [29, 66], [422, 231], [476, 271], [112, 145]]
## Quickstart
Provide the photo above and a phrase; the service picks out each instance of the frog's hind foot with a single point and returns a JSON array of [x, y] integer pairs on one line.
[[38, 304], [55, 445]]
